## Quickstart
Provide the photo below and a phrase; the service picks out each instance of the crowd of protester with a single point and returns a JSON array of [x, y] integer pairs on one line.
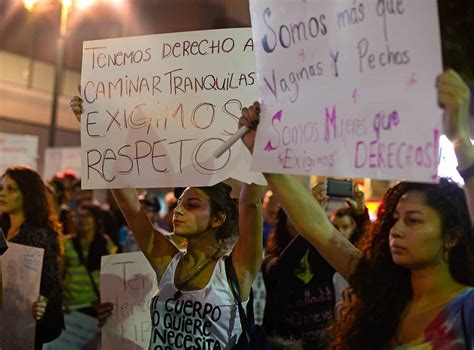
[[332, 279]]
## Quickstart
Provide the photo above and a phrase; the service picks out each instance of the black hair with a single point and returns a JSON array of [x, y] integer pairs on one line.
[[221, 201], [381, 288]]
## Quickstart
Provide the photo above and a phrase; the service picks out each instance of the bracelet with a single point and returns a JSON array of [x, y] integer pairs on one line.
[[466, 173]]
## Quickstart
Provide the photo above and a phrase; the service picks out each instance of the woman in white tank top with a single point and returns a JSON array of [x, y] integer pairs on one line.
[[195, 307]]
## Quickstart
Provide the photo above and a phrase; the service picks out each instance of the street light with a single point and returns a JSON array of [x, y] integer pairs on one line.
[[65, 6]]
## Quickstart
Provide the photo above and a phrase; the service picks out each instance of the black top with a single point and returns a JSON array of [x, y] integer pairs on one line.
[[294, 308]]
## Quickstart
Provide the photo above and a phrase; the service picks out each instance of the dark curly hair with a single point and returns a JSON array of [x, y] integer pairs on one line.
[[38, 204], [382, 289], [221, 201]]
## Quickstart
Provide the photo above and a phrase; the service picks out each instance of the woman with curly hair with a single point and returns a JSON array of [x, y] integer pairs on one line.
[[412, 279], [28, 218]]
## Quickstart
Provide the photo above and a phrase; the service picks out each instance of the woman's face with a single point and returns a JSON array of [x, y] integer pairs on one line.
[[416, 237], [11, 198], [85, 222], [193, 213], [345, 225]]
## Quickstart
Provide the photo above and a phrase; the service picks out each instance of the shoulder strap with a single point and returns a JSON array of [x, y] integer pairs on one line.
[[234, 286], [77, 248]]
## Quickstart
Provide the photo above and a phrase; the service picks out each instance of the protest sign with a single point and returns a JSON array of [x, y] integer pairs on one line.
[[157, 106], [18, 150], [129, 283], [59, 158], [348, 87], [21, 275]]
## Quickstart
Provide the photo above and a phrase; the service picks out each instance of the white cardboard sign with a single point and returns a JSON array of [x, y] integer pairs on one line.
[[128, 281], [348, 87], [61, 158], [18, 149], [156, 107], [21, 277]]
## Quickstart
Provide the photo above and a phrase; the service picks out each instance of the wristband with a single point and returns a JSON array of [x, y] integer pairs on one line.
[[466, 173]]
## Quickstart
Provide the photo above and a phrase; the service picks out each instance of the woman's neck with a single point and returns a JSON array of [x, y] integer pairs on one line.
[[203, 247], [432, 283], [16, 220]]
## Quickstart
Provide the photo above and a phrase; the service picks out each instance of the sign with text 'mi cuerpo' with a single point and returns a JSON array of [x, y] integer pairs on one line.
[[348, 87], [156, 107]]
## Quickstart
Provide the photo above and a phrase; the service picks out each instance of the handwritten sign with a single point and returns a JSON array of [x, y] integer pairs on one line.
[[156, 107], [18, 150], [348, 87], [81, 333], [21, 275], [129, 282], [59, 158]]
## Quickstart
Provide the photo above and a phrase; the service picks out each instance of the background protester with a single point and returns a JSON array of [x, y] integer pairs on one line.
[[270, 212], [28, 217], [300, 293], [83, 254], [412, 279]]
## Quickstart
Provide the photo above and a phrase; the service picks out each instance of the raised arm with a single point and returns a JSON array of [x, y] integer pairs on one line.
[[454, 97], [157, 249], [312, 223], [306, 213], [248, 252]]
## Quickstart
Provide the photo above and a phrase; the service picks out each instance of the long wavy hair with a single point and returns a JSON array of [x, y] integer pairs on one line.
[[38, 205], [221, 201], [382, 289]]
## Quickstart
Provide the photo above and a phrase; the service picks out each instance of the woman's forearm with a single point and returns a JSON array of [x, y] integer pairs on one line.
[[127, 200], [465, 156], [312, 223]]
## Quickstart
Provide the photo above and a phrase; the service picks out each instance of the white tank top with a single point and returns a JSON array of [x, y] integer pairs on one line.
[[206, 319]]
